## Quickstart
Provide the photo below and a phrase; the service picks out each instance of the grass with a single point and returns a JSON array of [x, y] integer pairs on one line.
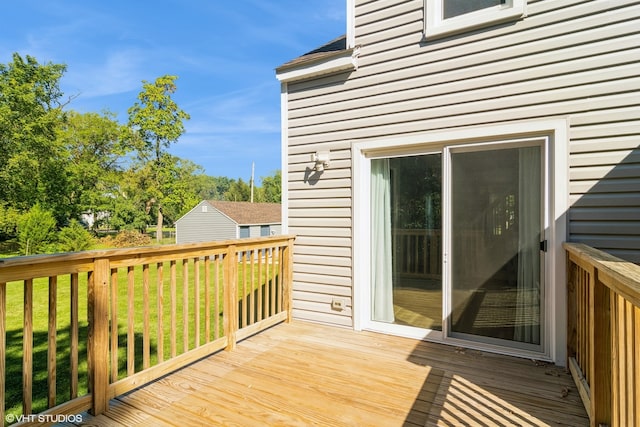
[[14, 323]]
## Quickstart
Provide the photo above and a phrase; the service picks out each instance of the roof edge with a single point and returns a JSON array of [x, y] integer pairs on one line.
[[319, 64], [332, 57]]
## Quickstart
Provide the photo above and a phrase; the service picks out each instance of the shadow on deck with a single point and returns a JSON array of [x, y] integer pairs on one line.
[[309, 374]]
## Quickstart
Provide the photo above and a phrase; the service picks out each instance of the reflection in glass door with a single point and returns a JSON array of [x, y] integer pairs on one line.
[[406, 241], [496, 211]]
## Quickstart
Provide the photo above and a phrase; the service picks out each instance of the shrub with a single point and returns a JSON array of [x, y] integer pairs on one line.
[[74, 238], [36, 231], [8, 221]]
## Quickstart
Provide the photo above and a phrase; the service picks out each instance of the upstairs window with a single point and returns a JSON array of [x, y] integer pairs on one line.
[[444, 17], [451, 8]]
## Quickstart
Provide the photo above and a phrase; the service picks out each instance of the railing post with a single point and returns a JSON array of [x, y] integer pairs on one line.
[[601, 353], [572, 312], [287, 282], [230, 315], [99, 335]]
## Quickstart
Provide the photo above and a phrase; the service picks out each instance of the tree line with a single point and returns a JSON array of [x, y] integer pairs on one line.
[[59, 166]]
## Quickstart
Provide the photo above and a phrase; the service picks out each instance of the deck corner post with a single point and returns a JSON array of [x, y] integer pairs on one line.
[[287, 283], [601, 354], [572, 304], [98, 350], [230, 314]]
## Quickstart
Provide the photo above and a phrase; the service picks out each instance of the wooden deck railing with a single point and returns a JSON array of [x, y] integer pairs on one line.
[[101, 323], [604, 334], [418, 253]]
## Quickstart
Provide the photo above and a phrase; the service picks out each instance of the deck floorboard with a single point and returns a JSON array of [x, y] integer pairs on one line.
[[303, 374]]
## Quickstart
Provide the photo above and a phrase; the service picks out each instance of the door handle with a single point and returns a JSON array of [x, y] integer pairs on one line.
[[543, 245]]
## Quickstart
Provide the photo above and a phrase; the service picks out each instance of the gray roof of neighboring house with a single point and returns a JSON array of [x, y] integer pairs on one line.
[[325, 51], [247, 213]]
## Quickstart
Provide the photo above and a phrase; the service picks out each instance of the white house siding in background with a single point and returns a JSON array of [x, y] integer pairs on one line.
[[573, 60]]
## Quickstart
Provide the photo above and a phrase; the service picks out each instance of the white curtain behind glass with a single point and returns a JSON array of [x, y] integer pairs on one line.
[[528, 293], [381, 267]]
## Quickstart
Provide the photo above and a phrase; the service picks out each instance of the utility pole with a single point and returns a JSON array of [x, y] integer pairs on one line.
[[253, 166]]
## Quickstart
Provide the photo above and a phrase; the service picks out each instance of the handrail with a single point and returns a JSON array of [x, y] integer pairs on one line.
[[148, 311], [604, 334]]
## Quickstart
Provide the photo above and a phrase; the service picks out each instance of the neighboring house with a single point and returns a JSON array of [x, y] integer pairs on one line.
[[217, 220], [93, 219], [437, 156]]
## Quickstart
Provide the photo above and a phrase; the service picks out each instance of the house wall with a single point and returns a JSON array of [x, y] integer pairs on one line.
[[198, 226], [569, 59], [274, 229]]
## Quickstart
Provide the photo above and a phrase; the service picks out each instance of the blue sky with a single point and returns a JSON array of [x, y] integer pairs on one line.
[[223, 52]]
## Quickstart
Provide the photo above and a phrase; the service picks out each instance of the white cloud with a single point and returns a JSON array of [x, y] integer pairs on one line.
[[244, 111], [119, 72]]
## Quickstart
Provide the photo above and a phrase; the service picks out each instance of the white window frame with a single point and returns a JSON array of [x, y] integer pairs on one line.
[[436, 26], [556, 133]]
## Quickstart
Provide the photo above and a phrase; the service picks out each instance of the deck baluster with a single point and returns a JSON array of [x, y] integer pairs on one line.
[[27, 348], [52, 338]]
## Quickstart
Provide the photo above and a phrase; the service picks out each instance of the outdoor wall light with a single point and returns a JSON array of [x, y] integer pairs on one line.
[[321, 159]]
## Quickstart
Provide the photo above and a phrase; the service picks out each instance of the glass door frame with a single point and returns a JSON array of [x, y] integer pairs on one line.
[[365, 240], [554, 135]]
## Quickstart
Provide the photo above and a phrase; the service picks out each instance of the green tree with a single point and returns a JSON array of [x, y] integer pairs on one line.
[[271, 189], [31, 110], [239, 191], [125, 213], [95, 145], [213, 187], [159, 122], [128, 204], [181, 179], [36, 230]]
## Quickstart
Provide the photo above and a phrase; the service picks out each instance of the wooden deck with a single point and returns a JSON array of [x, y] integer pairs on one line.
[[307, 374]]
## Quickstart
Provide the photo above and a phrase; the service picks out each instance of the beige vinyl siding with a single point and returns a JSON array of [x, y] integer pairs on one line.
[[605, 181], [320, 216], [570, 59]]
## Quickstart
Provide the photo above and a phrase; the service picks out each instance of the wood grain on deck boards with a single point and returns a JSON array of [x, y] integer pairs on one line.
[[304, 374]]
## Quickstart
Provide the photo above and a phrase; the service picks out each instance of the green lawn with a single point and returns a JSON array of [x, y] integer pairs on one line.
[[40, 321]]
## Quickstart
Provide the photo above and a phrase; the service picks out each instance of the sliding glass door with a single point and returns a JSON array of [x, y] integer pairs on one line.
[[496, 213], [467, 240]]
